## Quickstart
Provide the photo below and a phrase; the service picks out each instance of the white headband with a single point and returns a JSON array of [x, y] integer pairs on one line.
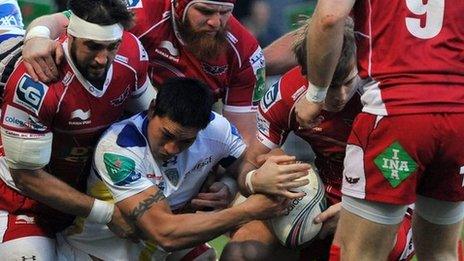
[[204, 2], [80, 28]]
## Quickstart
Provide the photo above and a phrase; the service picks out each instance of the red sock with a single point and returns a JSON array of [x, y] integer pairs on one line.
[[335, 253], [460, 251]]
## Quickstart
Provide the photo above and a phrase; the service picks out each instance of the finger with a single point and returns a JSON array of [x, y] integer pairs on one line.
[[59, 53], [295, 184], [46, 75], [46, 68], [217, 186], [292, 194], [296, 167], [275, 158], [31, 72], [293, 176], [326, 215], [210, 196], [201, 203], [52, 67]]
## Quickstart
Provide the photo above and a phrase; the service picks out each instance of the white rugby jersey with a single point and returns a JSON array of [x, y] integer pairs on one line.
[[124, 166]]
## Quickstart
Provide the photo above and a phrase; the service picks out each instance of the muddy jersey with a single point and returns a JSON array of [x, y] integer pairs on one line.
[[124, 166], [74, 110], [413, 52], [237, 75], [276, 119]]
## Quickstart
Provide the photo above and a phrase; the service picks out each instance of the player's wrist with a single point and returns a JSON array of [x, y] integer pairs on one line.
[[101, 212], [38, 31], [316, 94]]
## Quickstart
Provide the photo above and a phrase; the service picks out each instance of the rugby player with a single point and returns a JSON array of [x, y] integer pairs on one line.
[[11, 39], [192, 38], [406, 145], [48, 131], [152, 165], [276, 119]]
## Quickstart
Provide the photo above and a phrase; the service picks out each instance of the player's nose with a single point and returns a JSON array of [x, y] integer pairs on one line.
[[171, 148]]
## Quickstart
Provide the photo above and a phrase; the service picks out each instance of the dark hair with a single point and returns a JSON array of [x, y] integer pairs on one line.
[[103, 12], [344, 65], [185, 101]]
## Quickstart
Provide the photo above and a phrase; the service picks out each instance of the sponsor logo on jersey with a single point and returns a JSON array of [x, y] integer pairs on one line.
[[352, 180], [395, 164], [22, 135], [121, 169], [299, 92], [131, 4], [263, 125], [77, 154], [23, 219], [271, 97], [120, 100], [214, 70], [80, 117], [173, 176], [169, 162], [21, 120], [172, 52], [30, 94], [67, 78], [203, 163], [121, 58], [258, 65]]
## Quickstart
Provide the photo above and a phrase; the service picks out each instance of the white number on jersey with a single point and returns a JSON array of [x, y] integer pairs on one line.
[[433, 11]]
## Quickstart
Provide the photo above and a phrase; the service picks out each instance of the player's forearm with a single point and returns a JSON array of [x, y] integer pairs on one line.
[[56, 23], [187, 230], [245, 123], [279, 56], [49, 190], [325, 39]]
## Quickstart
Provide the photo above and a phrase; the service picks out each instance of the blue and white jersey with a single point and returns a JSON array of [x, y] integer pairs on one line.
[[124, 166], [11, 20], [124, 162], [11, 38]]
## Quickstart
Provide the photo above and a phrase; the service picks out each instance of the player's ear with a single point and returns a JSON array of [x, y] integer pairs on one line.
[[151, 109]]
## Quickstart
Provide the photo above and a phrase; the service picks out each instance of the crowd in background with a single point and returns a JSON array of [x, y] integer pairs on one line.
[[266, 19]]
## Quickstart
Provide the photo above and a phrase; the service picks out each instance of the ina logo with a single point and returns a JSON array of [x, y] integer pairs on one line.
[[395, 164]]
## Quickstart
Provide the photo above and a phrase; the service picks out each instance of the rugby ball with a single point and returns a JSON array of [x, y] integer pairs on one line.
[[296, 228]]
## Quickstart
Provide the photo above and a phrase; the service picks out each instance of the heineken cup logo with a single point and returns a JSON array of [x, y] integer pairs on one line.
[[395, 164]]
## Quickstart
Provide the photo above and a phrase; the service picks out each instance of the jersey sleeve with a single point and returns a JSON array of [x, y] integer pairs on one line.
[[232, 143], [272, 118], [247, 84], [27, 113], [120, 169], [144, 92]]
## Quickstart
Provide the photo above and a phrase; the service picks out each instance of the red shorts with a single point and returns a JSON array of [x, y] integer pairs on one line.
[[390, 159], [21, 216], [403, 249]]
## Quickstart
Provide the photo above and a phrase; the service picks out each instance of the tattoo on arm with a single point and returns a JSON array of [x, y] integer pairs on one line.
[[146, 205]]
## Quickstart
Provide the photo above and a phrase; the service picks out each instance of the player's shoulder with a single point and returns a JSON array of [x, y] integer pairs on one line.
[[148, 13], [244, 43], [218, 129], [131, 51], [33, 96], [126, 134], [284, 91]]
